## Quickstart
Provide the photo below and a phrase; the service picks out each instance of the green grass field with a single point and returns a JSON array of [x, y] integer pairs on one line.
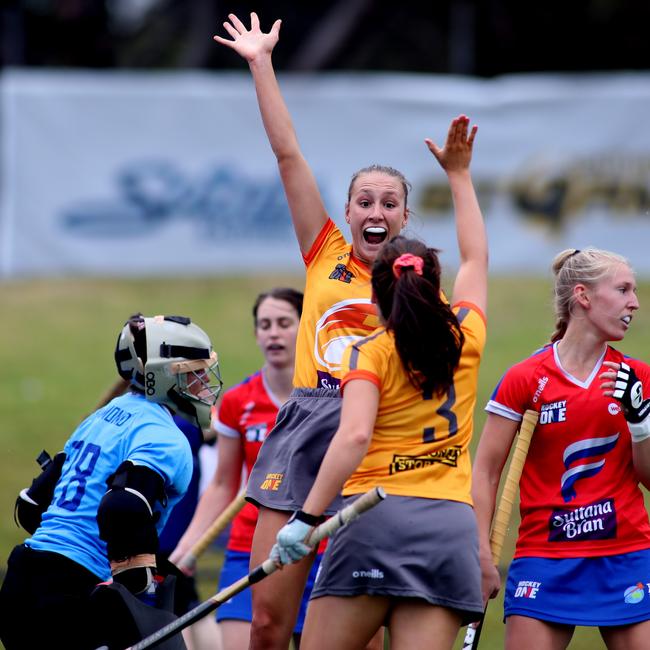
[[59, 335]]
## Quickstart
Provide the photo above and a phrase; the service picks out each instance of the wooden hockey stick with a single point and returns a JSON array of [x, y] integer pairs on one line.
[[188, 561], [329, 527], [504, 510]]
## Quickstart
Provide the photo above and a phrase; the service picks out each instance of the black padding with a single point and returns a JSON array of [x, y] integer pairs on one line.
[[120, 619], [136, 580], [125, 517], [41, 491], [27, 515], [185, 594], [168, 351], [181, 320], [140, 478], [122, 355]]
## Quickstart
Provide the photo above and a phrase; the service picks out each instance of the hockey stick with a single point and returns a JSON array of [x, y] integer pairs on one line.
[[504, 510], [119, 387], [188, 561], [329, 527]]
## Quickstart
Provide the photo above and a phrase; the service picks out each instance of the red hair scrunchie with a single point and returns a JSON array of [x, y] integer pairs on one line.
[[408, 261]]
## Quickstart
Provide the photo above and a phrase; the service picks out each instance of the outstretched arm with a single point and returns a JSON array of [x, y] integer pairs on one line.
[[305, 202], [455, 157]]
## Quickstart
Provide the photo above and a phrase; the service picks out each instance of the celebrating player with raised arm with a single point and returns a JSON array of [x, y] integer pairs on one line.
[[406, 423], [338, 309]]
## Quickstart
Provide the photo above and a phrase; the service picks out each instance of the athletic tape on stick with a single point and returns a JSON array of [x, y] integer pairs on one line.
[[504, 510]]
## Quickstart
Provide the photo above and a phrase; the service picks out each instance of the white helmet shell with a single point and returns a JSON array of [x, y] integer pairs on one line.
[[170, 360]]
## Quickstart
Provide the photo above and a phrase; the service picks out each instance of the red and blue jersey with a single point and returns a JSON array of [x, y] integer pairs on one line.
[[248, 412], [579, 492]]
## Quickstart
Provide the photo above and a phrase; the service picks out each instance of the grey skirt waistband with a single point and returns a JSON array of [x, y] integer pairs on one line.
[[315, 392]]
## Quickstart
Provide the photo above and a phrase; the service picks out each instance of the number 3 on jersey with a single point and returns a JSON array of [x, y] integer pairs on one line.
[[444, 411]]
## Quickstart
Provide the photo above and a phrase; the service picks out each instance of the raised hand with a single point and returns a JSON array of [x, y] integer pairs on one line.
[[456, 154], [622, 384], [249, 43]]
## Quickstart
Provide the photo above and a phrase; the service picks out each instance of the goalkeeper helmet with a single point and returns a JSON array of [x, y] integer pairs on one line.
[[170, 361]]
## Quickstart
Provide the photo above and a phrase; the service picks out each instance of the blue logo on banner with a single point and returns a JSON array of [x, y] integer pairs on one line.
[[150, 194]]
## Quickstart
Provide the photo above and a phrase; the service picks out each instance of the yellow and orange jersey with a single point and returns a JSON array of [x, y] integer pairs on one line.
[[337, 310], [420, 442]]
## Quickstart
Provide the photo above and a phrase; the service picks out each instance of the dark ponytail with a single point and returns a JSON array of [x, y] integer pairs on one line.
[[428, 338]]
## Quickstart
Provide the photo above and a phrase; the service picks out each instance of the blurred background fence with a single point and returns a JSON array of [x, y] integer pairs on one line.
[[116, 173], [131, 142]]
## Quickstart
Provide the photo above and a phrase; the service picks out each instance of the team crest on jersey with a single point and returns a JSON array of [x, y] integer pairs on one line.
[[343, 323], [341, 274], [403, 463], [553, 412], [582, 460]]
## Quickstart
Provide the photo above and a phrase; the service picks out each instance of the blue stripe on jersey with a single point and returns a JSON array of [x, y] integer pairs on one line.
[[462, 313], [354, 355]]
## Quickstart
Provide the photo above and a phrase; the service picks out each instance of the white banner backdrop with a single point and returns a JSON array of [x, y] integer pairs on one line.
[[135, 174]]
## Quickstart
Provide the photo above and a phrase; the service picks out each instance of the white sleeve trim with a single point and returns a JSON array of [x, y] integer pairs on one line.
[[505, 412], [225, 430], [640, 431]]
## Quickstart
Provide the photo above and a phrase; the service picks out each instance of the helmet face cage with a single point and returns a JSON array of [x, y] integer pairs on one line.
[[181, 370], [199, 382]]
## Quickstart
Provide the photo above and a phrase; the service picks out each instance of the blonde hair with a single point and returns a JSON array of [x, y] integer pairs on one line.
[[574, 266]]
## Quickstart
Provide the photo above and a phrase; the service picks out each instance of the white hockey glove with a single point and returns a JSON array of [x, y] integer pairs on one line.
[[291, 546]]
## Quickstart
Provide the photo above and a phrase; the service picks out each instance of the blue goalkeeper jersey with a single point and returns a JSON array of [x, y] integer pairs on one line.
[[127, 428]]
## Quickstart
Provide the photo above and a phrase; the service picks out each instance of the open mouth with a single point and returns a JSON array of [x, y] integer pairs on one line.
[[627, 319], [275, 347], [375, 234]]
